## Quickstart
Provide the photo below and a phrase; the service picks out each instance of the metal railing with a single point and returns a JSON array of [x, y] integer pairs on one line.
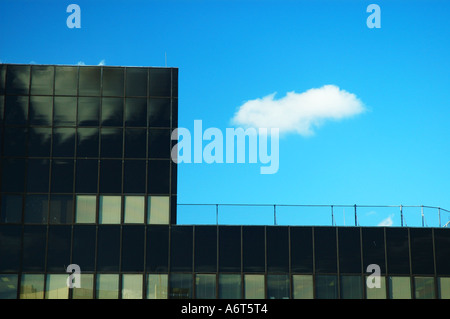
[[313, 215]]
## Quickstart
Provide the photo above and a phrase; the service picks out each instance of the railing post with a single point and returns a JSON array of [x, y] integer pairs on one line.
[[332, 217], [356, 217], [422, 215], [275, 215], [439, 214], [401, 215], [217, 214]]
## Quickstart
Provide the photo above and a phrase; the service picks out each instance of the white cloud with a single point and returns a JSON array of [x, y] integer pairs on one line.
[[102, 62], [387, 221], [299, 112], [81, 63]]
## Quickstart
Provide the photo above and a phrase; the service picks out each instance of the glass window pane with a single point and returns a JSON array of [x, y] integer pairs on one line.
[[302, 287], [424, 287], [442, 251], [66, 80], [16, 110], [56, 287], [108, 248], [36, 209], [375, 292], [180, 286], [373, 247], [160, 80], [65, 110], [63, 142], [205, 286], [230, 248], [444, 287], [111, 176], [254, 286], [90, 81], [32, 286], [38, 171], [205, 254], [326, 287], [39, 139], [399, 288], [11, 209], [158, 112], [62, 176], [84, 245], [107, 286], [136, 82], [134, 210], [277, 286], [132, 286], [85, 209], [113, 81], [422, 259], [34, 244], [41, 110], [18, 79], [349, 250], [88, 111], [111, 142], [15, 141], [86, 290], [351, 287], [159, 176], [13, 175], [159, 143], [58, 250], [325, 249], [134, 176], [136, 112], [136, 143], [174, 82], [8, 286], [61, 209], [2, 78], [86, 176], [42, 77], [181, 249], [230, 286], [109, 209], [277, 249], [87, 142], [112, 111], [397, 248], [133, 240], [157, 286], [253, 249], [301, 250], [157, 250], [158, 210], [10, 247]]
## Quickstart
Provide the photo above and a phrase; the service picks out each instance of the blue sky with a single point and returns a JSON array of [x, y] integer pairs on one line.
[[231, 51]]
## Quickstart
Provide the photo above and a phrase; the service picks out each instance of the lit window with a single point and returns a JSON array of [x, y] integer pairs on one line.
[[424, 287], [157, 286], [134, 209], [85, 210], [107, 286], [109, 209], [254, 286], [131, 286], [302, 287], [399, 288], [158, 210], [56, 287], [86, 287], [444, 287], [32, 286], [205, 286]]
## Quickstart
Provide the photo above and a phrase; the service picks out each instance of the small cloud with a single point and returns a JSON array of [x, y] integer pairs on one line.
[[370, 213], [32, 62], [387, 222], [102, 62], [81, 63], [299, 113]]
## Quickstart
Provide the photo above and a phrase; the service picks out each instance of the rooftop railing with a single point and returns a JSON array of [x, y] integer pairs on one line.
[[313, 215]]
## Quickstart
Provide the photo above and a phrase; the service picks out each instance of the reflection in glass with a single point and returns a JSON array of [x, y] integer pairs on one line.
[[112, 111], [132, 286], [326, 287], [302, 287], [63, 142], [87, 142], [158, 112], [160, 82], [157, 286], [136, 82], [61, 209], [39, 141], [444, 287], [8, 286], [66, 82], [113, 79], [65, 110], [86, 290], [36, 209], [254, 286], [90, 81], [16, 110], [109, 208], [134, 209], [205, 286], [88, 111], [424, 287], [180, 286], [351, 287], [230, 286], [277, 287], [376, 293], [32, 286], [107, 286], [41, 110], [85, 209], [62, 176], [11, 209], [42, 79], [136, 112], [399, 287], [158, 210], [17, 79], [56, 287]]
